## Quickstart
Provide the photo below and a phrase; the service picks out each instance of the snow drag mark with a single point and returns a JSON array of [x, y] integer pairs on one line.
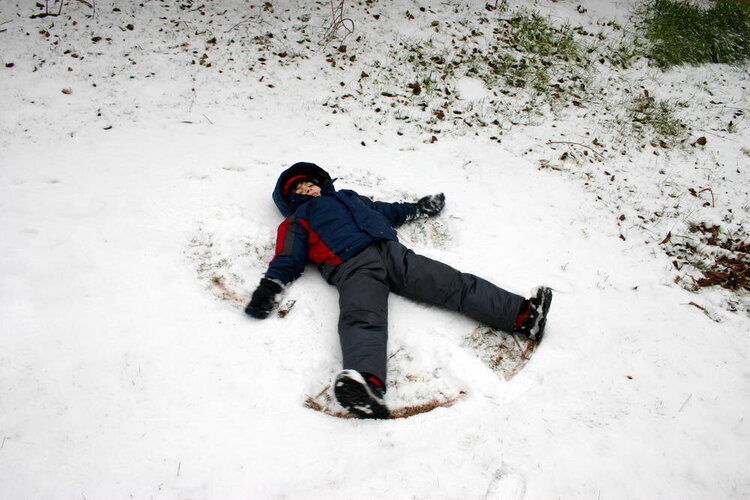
[[504, 353], [433, 233], [227, 249], [415, 384]]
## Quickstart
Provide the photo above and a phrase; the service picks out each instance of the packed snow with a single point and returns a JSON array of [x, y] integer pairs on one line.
[[140, 145]]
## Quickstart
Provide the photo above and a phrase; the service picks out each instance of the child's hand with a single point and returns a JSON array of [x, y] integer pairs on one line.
[[262, 301], [431, 205]]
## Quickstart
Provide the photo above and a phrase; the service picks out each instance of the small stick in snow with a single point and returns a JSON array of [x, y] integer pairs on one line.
[[314, 405], [685, 403], [286, 307], [691, 303], [520, 349], [237, 25], [394, 354], [338, 21], [713, 202], [325, 389], [256, 20], [577, 144], [47, 12]]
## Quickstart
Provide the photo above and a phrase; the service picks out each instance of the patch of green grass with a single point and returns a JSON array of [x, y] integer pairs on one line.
[[655, 119], [624, 51], [533, 34], [530, 52], [525, 51], [681, 32]]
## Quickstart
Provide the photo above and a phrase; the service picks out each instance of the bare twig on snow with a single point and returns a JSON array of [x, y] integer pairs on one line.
[[338, 21], [713, 202], [577, 144]]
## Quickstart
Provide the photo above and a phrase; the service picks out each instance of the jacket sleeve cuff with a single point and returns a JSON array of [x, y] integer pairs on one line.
[[275, 281]]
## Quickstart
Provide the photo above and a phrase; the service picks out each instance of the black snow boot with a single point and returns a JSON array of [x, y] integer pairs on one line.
[[362, 397], [533, 319]]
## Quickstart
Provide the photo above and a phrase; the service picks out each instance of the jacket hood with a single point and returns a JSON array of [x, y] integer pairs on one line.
[[288, 206]]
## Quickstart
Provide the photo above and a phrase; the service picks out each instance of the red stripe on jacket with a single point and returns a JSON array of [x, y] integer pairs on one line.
[[317, 251]]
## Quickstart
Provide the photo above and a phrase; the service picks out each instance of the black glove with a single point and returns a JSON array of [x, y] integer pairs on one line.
[[262, 301], [431, 205]]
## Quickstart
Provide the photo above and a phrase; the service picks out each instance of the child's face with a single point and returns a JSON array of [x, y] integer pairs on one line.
[[307, 188]]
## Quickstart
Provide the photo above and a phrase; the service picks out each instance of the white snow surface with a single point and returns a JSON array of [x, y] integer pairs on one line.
[[125, 374]]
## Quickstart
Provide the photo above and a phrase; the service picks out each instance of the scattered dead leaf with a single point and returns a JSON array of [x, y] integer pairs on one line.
[[700, 141]]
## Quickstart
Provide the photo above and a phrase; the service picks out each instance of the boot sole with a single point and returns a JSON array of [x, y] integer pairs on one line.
[[357, 398], [546, 302]]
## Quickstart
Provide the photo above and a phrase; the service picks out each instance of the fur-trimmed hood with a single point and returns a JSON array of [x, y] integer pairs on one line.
[[287, 206]]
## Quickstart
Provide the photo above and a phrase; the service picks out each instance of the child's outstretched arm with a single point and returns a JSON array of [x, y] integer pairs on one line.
[[431, 205], [401, 212], [286, 266]]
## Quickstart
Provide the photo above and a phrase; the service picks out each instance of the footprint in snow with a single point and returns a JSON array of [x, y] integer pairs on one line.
[[506, 484]]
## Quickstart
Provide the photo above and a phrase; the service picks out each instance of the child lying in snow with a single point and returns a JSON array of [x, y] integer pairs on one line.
[[353, 241]]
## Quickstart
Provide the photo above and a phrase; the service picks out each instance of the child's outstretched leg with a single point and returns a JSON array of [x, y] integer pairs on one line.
[[363, 312], [427, 280], [363, 332]]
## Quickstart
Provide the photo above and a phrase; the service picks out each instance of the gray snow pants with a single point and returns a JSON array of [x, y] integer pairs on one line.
[[365, 280]]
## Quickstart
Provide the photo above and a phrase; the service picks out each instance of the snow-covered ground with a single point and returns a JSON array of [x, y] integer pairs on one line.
[[138, 152]]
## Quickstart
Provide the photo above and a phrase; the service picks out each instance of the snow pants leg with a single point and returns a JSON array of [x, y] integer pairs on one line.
[[365, 280], [426, 280], [363, 311]]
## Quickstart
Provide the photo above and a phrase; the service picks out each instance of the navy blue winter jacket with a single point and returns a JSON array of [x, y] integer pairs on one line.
[[330, 228]]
